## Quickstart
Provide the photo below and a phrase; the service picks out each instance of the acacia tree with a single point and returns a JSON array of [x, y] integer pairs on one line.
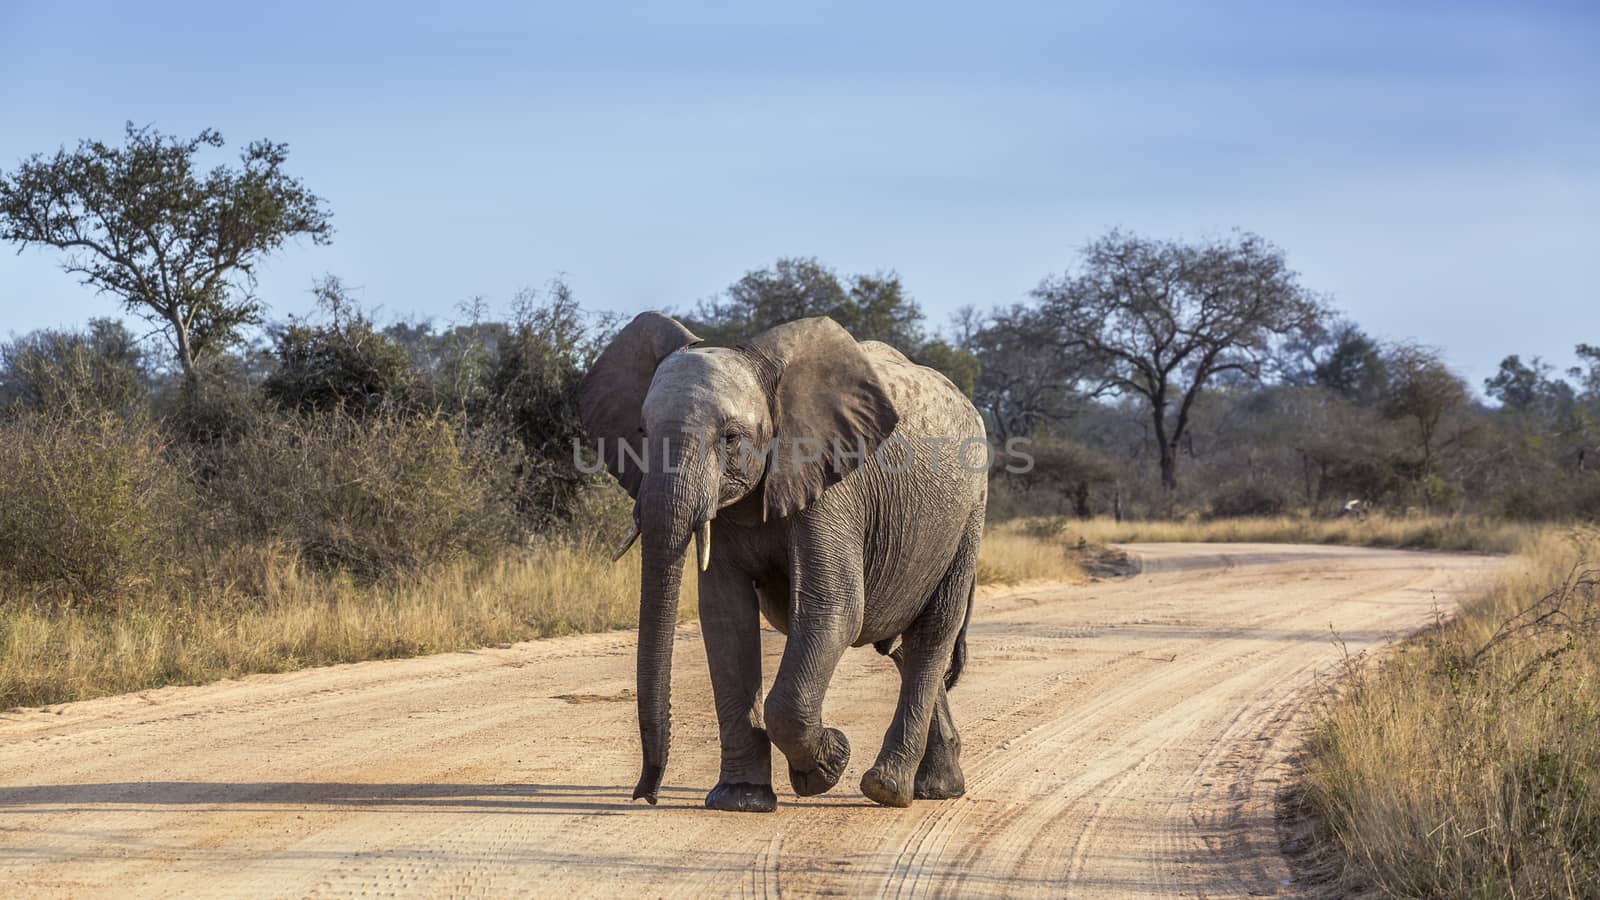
[[1423, 389], [143, 223], [1162, 319], [1587, 375]]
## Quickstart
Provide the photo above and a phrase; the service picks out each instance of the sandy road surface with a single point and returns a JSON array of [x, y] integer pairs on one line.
[[1121, 738]]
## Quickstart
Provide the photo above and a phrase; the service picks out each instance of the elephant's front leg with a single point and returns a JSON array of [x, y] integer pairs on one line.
[[824, 617], [731, 626]]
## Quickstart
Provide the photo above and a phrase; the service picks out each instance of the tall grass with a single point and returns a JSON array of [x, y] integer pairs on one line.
[[1022, 551], [278, 614], [1468, 763], [266, 609], [1418, 533]]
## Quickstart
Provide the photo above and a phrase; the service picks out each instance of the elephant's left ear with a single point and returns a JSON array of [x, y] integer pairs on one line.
[[828, 405]]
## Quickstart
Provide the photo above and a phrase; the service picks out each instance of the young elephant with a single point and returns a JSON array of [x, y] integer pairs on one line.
[[832, 486]]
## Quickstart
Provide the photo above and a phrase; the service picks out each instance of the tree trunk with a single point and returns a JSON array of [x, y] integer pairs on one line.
[[1169, 465], [180, 337], [1080, 500], [1167, 445]]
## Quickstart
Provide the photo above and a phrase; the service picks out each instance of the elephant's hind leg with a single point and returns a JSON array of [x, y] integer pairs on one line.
[[939, 775], [892, 779], [940, 772], [921, 751]]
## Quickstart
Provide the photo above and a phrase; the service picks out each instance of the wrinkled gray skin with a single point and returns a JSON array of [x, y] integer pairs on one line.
[[832, 557]]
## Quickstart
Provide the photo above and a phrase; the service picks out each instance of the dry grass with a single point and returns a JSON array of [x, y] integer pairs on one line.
[[280, 615], [1015, 552], [1420, 533], [1468, 763], [276, 614]]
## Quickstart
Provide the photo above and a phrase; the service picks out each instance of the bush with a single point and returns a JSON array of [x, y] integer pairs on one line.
[[90, 504], [223, 406], [374, 496], [1550, 494], [1240, 499], [533, 392], [600, 516], [345, 364], [102, 367]]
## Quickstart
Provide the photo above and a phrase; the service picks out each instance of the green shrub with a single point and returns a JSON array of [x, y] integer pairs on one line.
[[1071, 470], [90, 504], [532, 392], [344, 364], [373, 496]]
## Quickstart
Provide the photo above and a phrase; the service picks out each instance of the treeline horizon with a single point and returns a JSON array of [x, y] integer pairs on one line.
[[1311, 417], [1154, 378]]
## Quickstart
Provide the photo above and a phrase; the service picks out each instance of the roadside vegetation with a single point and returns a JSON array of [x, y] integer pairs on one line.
[[1467, 762], [1032, 550], [270, 611], [269, 608], [339, 491], [1460, 533]]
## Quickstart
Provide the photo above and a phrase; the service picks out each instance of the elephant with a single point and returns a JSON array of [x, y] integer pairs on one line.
[[875, 542]]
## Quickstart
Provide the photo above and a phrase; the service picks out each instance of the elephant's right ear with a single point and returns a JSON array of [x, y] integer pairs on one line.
[[611, 397]]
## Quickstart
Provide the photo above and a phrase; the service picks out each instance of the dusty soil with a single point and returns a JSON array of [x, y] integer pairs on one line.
[[1121, 738]]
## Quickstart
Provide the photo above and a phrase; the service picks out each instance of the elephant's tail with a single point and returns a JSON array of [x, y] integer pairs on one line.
[[958, 657]]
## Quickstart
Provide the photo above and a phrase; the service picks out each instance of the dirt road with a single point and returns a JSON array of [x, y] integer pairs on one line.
[[1121, 738]]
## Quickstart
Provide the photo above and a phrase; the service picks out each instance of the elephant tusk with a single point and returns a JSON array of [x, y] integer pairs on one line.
[[633, 535], [702, 542]]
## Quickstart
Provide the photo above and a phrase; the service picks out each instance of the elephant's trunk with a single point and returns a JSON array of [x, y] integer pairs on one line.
[[672, 507]]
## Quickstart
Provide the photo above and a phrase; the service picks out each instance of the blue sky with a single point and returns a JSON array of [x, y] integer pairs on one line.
[[1432, 166]]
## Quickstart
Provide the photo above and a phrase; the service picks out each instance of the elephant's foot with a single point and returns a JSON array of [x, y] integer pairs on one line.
[[740, 796], [942, 785], [884, 788], [833, 754], [939, 777]]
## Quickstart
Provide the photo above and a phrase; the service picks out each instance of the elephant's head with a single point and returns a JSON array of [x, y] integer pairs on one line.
[[682, 428]]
